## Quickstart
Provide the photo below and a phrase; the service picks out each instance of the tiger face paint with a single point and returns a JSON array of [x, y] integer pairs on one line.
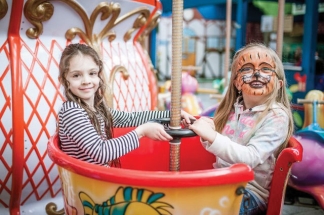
[[255, 72]]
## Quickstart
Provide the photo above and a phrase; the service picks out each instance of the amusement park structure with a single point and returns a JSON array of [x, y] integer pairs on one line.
[[33, 35], [37, 178], [241, 12]]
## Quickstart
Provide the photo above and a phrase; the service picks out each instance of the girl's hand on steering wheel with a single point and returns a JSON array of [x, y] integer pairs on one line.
[[187, 118], [154, 131], [205, 128]]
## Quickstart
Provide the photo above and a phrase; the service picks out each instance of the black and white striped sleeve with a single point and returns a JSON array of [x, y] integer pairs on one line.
[[80, 139], [133, 119]]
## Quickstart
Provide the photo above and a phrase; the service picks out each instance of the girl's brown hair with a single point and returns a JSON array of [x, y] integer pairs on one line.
[[100, 105], [278, 95]]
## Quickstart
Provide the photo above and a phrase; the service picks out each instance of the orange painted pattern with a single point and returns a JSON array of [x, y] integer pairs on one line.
[[5, 131]]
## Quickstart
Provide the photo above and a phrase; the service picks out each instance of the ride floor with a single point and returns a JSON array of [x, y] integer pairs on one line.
[[296, 202]]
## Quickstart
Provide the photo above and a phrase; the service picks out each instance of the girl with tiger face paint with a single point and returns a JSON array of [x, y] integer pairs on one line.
[[255, 72], [252, 123]]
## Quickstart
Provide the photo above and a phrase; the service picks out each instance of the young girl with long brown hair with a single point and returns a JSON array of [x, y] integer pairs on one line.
[[85, 122]]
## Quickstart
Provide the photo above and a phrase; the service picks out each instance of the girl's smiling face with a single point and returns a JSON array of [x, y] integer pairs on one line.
[[255, 72], [83, 77]]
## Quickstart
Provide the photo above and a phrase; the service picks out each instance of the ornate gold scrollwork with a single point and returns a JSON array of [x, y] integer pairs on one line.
[[152, 23], [38, 11], [139, 22], [117, 68], [3, 8], [107, 10], [51, 209]]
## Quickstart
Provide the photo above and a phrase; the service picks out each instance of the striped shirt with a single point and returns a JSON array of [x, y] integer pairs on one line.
[[80, 140]]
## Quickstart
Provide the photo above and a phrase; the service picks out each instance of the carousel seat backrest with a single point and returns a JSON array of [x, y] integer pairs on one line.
[[287, 157]]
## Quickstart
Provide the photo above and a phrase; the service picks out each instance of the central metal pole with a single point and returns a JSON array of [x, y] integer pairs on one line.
[[175, 119], [228, 39]]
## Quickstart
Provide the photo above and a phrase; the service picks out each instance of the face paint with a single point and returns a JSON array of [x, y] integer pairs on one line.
[[255, 73], [247, 79]]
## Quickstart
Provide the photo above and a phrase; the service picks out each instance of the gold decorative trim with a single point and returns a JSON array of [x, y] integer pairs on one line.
[[125, 75], [51, 209], [152, 23], [3, 8], [38, 11], [140, 21]]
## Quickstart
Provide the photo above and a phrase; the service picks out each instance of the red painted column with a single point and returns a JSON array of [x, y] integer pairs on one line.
[[16, 107]]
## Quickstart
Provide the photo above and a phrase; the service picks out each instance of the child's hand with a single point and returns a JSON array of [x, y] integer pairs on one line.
[[205, 128], [209, 121], [154, 131], [186, 118]]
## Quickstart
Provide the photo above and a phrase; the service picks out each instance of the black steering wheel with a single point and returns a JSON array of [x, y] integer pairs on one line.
[[175, 133]]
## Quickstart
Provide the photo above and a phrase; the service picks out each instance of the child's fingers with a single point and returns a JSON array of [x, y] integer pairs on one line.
[[188, 117], [166, 136], [162, 134], [188, 121], [209, 121]]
